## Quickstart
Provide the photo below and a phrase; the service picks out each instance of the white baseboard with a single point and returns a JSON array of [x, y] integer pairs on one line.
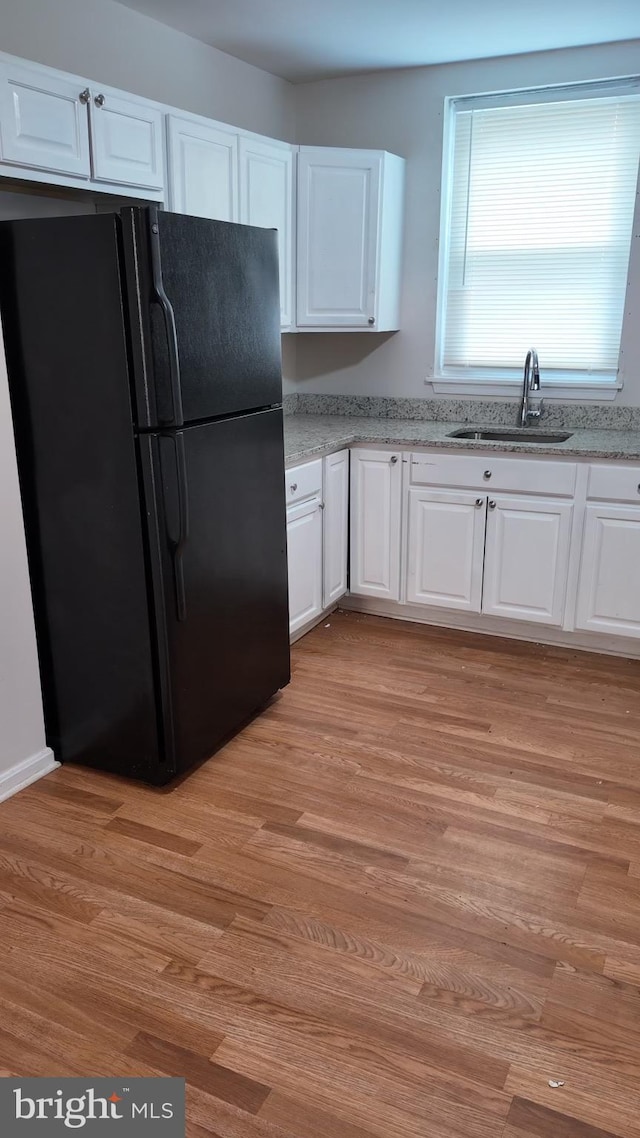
[[26, 772], [495, 626]]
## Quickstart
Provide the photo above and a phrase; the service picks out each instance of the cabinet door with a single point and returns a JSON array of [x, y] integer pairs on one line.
[[335, 525], [44, 122], [304, 553], [203, 170], [127, 141], [376, 485], [266, 200], [527, 559], [608, 590], [446, 549], [338, 200]]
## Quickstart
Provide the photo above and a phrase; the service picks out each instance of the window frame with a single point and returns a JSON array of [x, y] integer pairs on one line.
[[557, 384]]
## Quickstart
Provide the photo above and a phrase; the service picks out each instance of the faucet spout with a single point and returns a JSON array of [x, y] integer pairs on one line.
[[530, 382]]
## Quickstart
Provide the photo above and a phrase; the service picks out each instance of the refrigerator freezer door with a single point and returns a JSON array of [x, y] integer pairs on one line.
[[220, 501], [204, 299]]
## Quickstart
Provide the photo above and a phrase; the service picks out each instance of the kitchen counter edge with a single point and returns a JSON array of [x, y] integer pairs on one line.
[[311, 436]]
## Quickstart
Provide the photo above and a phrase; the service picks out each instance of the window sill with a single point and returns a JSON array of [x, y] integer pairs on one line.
[[599, 391]]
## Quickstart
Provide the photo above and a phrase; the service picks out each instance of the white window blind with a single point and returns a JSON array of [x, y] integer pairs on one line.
[[541, 205]]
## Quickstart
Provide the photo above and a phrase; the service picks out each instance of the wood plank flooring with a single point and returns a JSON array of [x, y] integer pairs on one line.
[[398, 905]]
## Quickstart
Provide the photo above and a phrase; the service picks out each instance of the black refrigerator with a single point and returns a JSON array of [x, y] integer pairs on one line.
[[143, 351]]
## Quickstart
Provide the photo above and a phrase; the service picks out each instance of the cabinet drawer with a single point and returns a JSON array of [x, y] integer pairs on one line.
[[614, 483], [303, 481], [488, 472]]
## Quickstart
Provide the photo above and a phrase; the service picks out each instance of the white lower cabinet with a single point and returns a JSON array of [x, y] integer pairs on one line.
[[517, 555], [445, 548], [526, 561], [304, 553], [608, 589], [336, 526], [376, 506], [317, 495], [506, 556]]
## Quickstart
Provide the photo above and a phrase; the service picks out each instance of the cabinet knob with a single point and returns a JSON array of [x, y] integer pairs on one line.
[[84, 96], [293, 487], [394, 458], [639, 488], [99, 100], [479, 502], [492, 504], [487, 475], [372, 320]]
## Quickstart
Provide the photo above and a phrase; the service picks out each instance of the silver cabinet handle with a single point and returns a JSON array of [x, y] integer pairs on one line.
[[479, 502], [321, 505], [393, 459], [487, 475], [372, 320], [293, 487], [99, 100], [492, 504], [84, 96], [639, 488]]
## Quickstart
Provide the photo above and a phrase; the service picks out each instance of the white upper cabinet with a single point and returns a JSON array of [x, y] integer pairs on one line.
[[527, 559], [43, 121], [62, 130], [127, 137], [339, 223], [376, 499], [446, 548], [266, 200], [350, 212], [608, 589], [203, 169]]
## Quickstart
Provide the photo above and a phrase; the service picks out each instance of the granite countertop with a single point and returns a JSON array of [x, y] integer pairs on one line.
[[308, 435]]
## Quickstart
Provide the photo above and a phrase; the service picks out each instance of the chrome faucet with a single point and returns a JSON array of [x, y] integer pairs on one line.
[[530, 382]]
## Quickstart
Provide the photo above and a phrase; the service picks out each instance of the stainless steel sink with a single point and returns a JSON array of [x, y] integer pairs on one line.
[[513, 435]]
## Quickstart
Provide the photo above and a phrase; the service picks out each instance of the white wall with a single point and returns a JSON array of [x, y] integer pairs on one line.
[[104, 41], [21, 723], [402, 111]]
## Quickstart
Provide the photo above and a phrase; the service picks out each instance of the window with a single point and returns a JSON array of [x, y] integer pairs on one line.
[[540, 190]]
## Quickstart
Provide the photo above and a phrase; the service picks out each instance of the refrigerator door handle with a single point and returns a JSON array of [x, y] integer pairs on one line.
[[177, 545], [162, 300]]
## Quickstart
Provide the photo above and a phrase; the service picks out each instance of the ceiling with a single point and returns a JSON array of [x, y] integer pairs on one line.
[[303, 40]]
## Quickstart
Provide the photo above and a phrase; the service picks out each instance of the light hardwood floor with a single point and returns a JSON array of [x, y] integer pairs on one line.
[[401, 902]]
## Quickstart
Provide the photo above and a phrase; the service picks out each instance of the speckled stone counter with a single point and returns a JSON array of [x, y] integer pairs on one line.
[[310, 435]]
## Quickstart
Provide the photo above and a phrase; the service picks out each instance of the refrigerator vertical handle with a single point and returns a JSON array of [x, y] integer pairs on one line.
[[162, 300], [177, 545]]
